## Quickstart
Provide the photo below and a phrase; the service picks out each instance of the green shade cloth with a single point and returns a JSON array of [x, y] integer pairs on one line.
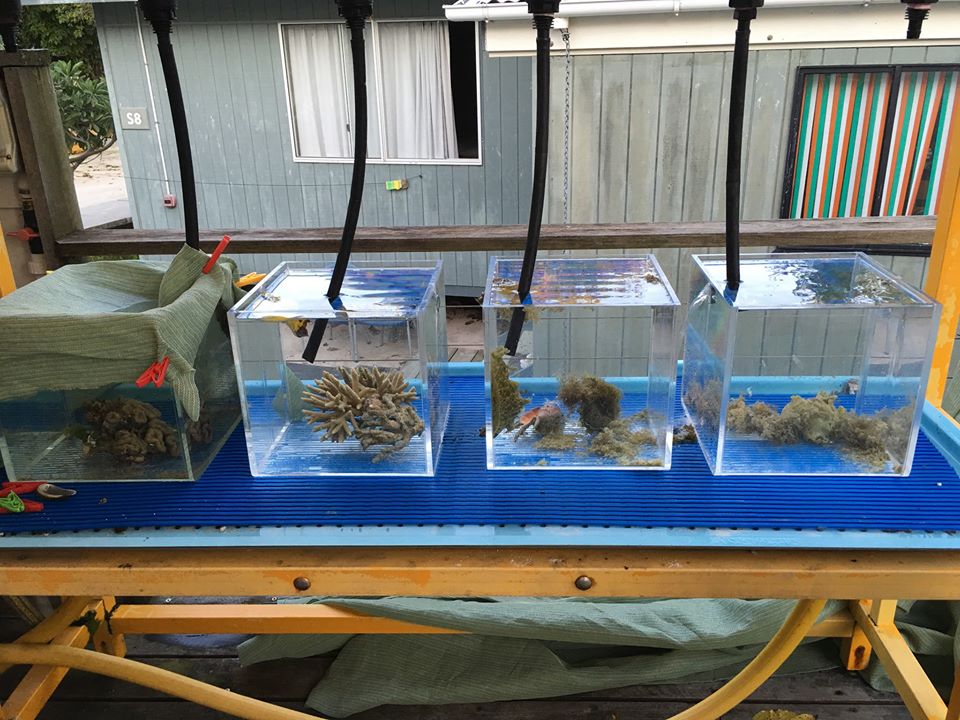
[[531, 648], [525, 648], [99, 323]]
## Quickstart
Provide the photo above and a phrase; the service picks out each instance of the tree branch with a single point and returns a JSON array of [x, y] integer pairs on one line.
[[77, 160]]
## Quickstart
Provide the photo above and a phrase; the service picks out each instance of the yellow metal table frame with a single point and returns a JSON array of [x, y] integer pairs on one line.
[[89, 580]]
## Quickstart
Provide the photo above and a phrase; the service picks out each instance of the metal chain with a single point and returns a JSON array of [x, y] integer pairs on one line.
[[565, 34]]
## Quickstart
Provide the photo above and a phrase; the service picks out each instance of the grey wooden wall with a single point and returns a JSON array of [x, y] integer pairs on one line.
[[230, 61], [648, 135]]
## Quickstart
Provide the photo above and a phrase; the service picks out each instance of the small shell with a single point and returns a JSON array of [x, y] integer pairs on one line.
[[54, 492]]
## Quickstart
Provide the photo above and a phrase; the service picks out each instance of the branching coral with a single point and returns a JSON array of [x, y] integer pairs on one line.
[[368, 404], [506, 399], [128, 429], [597, 400]]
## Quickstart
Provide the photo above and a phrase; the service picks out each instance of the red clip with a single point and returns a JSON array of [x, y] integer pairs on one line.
[[155, 374], [24, 233], [215, 255]]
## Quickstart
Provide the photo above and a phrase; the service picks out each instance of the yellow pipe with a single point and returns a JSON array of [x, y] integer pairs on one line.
[[788, 637], [59, 620], [148, 676]]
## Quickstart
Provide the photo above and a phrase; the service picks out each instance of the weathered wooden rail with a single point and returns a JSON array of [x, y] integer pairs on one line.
[[487, 238]]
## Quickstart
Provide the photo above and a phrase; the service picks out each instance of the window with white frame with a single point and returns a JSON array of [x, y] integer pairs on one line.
[[422, 91]]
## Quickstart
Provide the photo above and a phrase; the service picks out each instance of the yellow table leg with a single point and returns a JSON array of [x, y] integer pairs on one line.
[[883, 612], [40, 682], [104, 639], [943, 276], [855, 650], [70, 609], [953, 709], [918, 693]]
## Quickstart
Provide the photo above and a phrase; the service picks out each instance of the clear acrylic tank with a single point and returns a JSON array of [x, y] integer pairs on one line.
[[375, 399], [121, 432], [592, 383], [817, 366]]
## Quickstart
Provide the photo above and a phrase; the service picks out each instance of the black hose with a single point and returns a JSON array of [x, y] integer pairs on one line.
[[10, 11], [915, 15], [9, 35], [356, 25], [738, 89], [542, 23], [181, 134]]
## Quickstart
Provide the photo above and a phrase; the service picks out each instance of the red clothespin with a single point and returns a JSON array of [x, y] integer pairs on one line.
[[12, 502], [155, 374], [215, 255], [24, 233]]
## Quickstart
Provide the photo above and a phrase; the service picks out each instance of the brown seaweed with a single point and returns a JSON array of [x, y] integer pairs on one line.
[[597, 401], [506, 400], [621, 443]]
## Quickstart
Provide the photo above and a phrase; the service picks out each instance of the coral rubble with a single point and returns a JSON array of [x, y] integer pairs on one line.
[[820, 421], [556, 441], [703, 400], [683, 434], [368, 404], [506, 399], [620, 442], [597, 401], [128, 429]]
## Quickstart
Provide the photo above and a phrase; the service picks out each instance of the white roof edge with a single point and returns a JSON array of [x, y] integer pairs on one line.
[[481, 10]]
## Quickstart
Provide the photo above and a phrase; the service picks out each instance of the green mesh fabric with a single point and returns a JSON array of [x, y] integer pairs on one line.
[[89, 325], [524, 648]]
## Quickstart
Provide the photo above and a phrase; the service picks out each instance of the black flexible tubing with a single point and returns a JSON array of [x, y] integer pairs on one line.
[[358, 53], [178, 115], [542, 23], [738, 88], [9, 35]]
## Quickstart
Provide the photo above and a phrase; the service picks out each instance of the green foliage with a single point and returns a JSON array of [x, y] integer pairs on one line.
[[67, 31], [85, 109]]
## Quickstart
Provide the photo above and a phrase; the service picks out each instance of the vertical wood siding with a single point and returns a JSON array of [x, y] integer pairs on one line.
[[647, 135], [230, 62]]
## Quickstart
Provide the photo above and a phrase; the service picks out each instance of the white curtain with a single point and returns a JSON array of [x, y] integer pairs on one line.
[[417, 97], [315, 70]]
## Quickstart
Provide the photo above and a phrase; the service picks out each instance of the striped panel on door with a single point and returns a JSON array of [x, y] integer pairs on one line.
[[838, 144], [925, 103]]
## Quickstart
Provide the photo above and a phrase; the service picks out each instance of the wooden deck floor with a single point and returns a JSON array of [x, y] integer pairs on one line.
[[832, 695]]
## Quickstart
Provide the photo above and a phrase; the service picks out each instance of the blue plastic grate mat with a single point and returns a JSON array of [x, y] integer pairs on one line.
[[465, 493]]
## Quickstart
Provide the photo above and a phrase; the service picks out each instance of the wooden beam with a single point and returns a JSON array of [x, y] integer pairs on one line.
[[259, 619], [40, 682], [917, 692], [614, 572], [107, 639], [489, 238], [943, 275], [953, 707], [39, 131], [316, 618]]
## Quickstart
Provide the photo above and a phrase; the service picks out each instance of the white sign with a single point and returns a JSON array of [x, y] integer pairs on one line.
[[134, 118]]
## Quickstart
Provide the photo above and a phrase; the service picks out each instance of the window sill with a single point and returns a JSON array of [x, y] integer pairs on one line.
[[378, 161]]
